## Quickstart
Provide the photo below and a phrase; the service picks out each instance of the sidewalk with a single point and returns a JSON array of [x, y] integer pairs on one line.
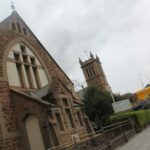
[[141, 141]]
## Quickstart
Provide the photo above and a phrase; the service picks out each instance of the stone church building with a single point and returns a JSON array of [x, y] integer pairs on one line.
[[38, 105]]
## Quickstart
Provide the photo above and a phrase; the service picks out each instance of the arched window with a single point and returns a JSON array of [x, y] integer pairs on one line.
[[24, 68]]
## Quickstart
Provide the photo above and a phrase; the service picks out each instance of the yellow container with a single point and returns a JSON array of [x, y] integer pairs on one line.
[[143, 94]]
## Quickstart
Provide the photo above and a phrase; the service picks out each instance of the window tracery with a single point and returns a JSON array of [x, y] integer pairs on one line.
[[29, 70]]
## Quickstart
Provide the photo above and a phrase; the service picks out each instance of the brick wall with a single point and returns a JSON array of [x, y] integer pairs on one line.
[[7, 107], [10, 144], [25, 106], [9, 120]]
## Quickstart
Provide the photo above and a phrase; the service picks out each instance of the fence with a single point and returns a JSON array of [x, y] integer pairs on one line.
[[106, 139]]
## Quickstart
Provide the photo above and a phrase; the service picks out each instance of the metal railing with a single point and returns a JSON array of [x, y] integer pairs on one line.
[[108, 138]]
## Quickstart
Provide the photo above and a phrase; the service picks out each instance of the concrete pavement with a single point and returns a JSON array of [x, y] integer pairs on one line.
[[140, 141]]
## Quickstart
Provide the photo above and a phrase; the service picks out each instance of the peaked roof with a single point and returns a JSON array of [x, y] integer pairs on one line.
[[16, 15]]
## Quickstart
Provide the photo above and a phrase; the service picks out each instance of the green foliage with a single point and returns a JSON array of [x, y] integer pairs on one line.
[[117, 97], [97, 105], [140, 117]]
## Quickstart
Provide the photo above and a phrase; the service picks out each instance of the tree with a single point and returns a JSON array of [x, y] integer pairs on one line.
[[97, 105]]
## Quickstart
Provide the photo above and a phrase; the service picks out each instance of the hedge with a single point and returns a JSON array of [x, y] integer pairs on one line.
[[140, 118]]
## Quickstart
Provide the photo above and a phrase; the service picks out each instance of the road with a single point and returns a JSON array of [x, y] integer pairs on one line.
[[140, 141]]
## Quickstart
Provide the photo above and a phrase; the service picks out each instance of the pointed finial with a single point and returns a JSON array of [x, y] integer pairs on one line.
[[80, 61], [91, 55], [12, 6]]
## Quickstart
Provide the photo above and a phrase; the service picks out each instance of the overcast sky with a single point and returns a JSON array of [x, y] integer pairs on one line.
[[118, 31]]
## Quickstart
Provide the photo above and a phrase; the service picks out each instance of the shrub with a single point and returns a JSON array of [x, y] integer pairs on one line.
[[140, 118]]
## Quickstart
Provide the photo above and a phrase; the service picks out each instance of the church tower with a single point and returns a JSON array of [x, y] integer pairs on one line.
[[93, 73]]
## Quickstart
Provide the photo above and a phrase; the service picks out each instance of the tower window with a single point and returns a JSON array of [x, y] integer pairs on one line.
[[19, 27], [87, 71], [13, 26], [93, 70], [91, 73]]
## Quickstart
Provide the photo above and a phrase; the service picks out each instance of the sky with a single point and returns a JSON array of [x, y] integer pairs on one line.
[[118, 31]]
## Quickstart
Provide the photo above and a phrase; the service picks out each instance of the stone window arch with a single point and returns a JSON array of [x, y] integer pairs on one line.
[[24, 68]]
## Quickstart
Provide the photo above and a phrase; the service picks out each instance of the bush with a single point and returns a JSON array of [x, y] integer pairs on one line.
[[140, 118]]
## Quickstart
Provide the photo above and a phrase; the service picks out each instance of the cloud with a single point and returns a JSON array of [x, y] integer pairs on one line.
[[118, 31]]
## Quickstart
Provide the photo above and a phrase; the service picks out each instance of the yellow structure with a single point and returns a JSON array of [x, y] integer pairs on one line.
[[142, 94]]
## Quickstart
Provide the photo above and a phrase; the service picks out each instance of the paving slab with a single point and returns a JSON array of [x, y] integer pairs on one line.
[[140, 141]]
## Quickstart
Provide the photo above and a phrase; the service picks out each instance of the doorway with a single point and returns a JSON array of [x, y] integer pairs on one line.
[[34, 133]]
